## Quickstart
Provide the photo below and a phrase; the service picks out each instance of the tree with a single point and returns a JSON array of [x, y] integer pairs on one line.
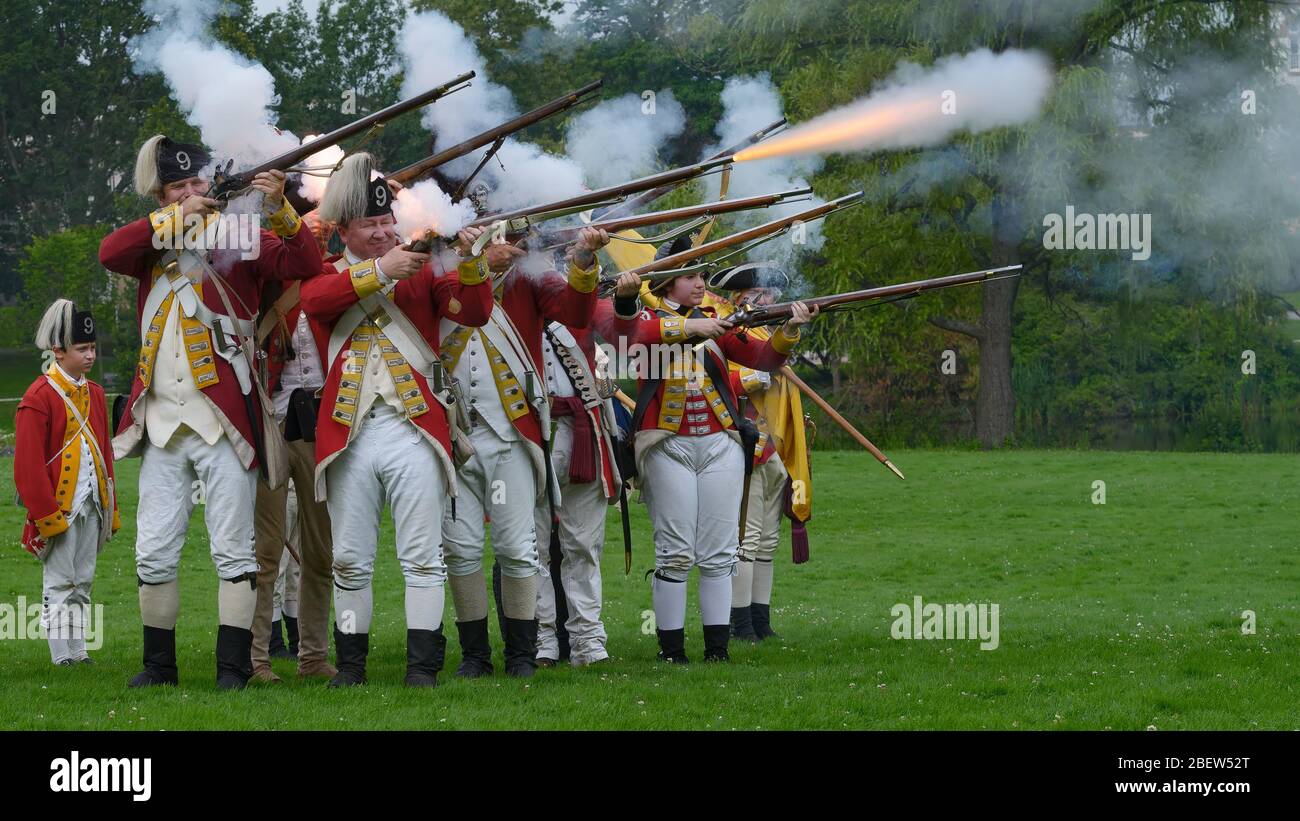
[[980, 202], [69, 109]]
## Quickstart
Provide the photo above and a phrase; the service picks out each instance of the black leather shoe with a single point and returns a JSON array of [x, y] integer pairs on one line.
[[672, 646], [715, 642], [742, 626], [761, 615], [275, 648], [234, 657]]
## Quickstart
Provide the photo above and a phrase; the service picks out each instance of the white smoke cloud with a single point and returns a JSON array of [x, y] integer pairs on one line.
[[751, 103], [312, 186], [425, 206], [619, 139], [226, 96], [434, 49]]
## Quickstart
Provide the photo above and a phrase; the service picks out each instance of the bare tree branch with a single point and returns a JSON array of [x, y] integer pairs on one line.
[[958, 326]]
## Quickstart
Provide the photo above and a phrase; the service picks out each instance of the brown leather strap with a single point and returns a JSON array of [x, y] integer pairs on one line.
[[279, 310]]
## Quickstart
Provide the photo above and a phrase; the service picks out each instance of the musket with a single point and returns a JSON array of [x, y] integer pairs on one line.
[[750, 316], [521, 221], [417, 170], [817, 400], [672, 265], [687, 212], [655, 193], [225, 183], [838, 419]]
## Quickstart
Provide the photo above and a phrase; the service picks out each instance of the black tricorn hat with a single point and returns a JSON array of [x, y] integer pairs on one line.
[[749, 275], [679, 243]]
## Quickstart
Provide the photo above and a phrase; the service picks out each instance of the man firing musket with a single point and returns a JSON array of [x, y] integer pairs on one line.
[[198, 412]]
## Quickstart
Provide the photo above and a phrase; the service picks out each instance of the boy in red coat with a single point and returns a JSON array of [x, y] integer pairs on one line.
[[63, 469]]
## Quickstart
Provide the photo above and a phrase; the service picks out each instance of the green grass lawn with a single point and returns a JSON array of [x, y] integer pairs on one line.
[[1125, 615]]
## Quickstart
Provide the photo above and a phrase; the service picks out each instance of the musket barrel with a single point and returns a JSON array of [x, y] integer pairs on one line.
[[291, 158], [659, 191], [683, 173], [707, 209], [770, 314], [338, 135], [416, 170], [677, 260]]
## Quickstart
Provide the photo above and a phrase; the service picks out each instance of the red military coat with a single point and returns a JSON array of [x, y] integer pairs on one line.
[[735, 345], [531, 301], [40, 427], [610, 327], [425, 298], [130, 251]]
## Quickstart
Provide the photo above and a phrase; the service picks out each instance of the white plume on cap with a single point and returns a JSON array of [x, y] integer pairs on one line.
[[348, 190], [147, 181], [55, 330]]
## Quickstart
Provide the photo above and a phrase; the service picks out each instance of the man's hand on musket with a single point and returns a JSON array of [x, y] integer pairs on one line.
[[583, 251], [800, 314], [628, 284], [271, 184], [195, 204], [498, 254], [401, 264], [707, 327]]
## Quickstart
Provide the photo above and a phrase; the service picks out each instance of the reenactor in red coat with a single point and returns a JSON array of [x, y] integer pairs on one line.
[[63, 469], [388, 415], [196, 408]]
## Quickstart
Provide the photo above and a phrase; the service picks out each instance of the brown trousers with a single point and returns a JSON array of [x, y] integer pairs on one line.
[[316, 547]]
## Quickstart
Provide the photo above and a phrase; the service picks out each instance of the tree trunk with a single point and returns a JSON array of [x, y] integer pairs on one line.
[[995, 405]]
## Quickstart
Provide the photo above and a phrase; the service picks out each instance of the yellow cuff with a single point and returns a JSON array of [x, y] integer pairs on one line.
[[52, 525], [750, 381], [117, 520], [365, 278], [473, 271], [285, 222], [168, 227], [672, 328], [782, 342], [584, 282]]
